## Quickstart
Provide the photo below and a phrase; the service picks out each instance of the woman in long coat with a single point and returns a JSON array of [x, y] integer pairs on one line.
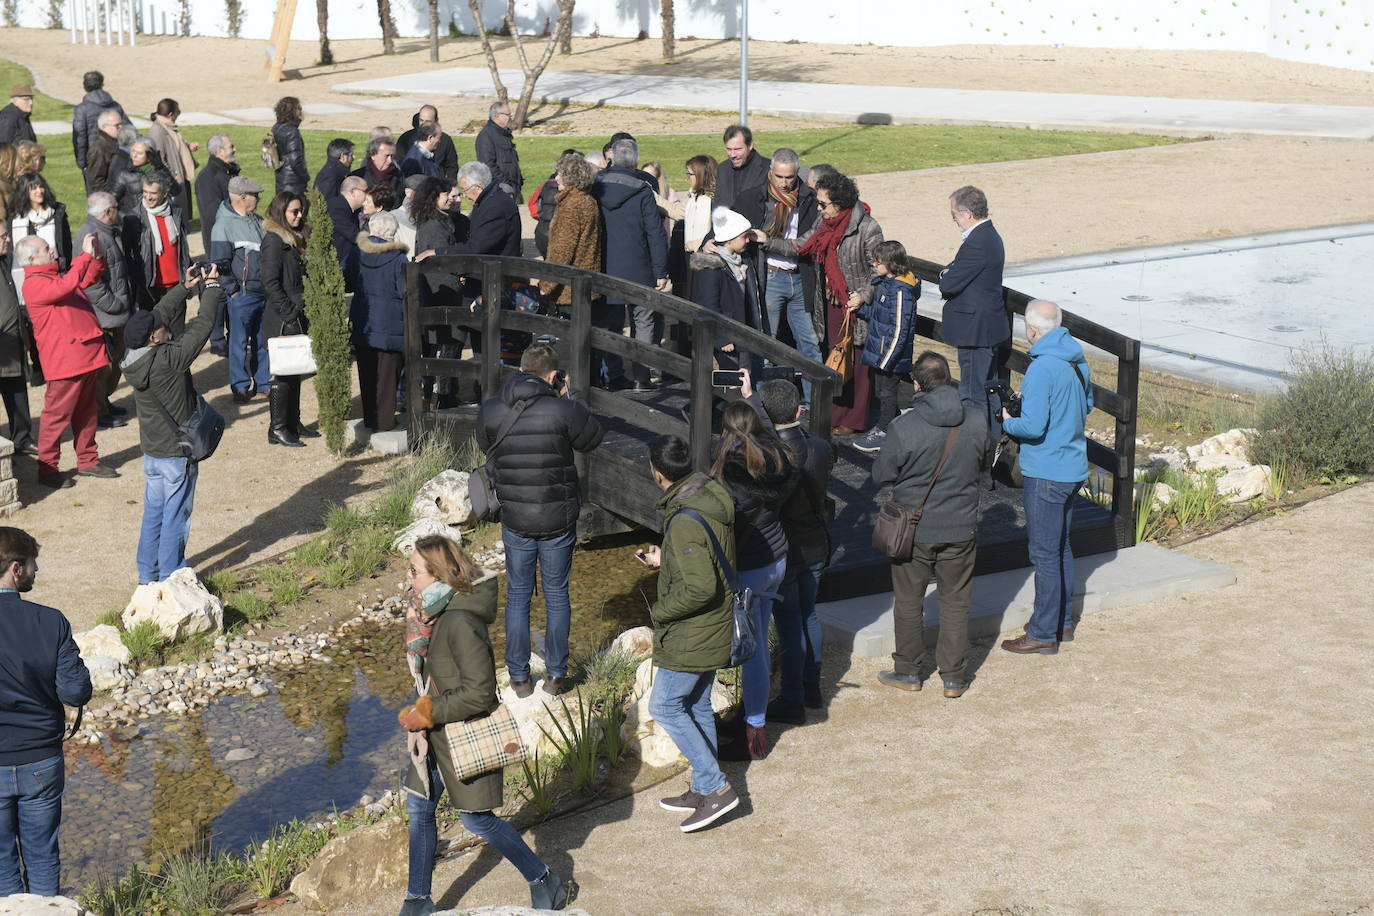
[[175, 150], [575, 231], [448, 651], [283, 280]]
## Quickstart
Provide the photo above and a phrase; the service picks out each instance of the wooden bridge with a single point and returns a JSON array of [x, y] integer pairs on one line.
[[619, 490]]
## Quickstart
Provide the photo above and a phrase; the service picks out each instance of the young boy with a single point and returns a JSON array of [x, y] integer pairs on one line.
[[891, 318]]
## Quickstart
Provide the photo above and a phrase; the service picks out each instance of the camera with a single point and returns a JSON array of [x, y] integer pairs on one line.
[[1010, 399]]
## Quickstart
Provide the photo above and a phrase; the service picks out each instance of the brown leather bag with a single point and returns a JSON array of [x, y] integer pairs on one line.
[[894, 532], [841, 358]]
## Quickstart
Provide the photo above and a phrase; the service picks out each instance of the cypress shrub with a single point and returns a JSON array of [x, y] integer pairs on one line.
[[327, 310], [1323, 424]]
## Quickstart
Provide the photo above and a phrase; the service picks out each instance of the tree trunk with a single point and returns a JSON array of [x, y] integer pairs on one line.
[[388, 26], [501, 93], [322, 19], [532, 73], [434, 31], [669, 41]]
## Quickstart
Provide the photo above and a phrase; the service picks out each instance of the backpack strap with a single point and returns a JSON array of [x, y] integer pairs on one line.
[[725, 566], [506, 424]]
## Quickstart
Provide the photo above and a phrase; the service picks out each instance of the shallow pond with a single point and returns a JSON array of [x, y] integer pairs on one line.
[[324, 737]]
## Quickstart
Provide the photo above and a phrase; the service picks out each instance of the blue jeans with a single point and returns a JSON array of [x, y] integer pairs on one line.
[[786, 290], [1049, 518], [758, 671], [30, 810], [554, 559], [245, 331], [680, 701], [424, 838], [169, 492], [799, 630]]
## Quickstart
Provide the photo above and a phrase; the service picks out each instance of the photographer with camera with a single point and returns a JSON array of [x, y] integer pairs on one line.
[[1056, 395], [538, 424]]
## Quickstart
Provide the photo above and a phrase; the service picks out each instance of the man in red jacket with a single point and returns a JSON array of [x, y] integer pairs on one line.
[[71, 347]]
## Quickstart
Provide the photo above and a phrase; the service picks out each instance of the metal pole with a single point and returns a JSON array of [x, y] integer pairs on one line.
[[134, 7], [85, 7], [105, 15], [71, 12], [119, 21], [744, 61]]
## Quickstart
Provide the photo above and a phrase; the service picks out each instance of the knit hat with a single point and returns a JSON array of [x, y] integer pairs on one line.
[[140, 327], [21, 90], [240, 185], [727, 224]]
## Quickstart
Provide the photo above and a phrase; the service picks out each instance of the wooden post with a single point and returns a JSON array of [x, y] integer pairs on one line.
[[580, 336], [492, 287], [415, 424], [275, 60], [699, 426], [1123, 485]]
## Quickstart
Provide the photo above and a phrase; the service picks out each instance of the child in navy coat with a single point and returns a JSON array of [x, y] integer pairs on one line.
[[891, 318]]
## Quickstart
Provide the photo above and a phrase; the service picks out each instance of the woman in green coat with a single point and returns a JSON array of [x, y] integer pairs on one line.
[[448, 649]]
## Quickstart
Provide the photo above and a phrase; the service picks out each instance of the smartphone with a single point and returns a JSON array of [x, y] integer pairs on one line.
[[727, 378], [642, 557]]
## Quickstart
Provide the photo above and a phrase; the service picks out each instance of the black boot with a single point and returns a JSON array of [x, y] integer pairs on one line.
[[278, 404], [552, 893], [297, 427]]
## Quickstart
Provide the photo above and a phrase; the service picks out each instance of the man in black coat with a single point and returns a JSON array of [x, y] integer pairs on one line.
[[338, 159], [445, 155], [343, 212], [212, 189], [380, 166], [14, 117], [536, 479], [493, 227], [14, 354], [742, 167], [975, 317], [112, 296], [102, 153], [496, 148], [636, 249], [86, 116]]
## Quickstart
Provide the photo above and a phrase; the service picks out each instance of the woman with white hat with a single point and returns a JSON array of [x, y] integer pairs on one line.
[[726, 281]]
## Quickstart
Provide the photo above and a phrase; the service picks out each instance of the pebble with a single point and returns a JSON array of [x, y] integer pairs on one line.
[[240, 753]]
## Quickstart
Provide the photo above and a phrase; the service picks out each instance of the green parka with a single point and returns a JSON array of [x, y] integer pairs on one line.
[[462, 681], [692, 616]]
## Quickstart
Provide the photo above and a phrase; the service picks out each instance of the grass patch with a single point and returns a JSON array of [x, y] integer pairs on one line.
[[269, 867], [45, 107], [316, 551], [145, 643], [220, 582], [113, 618], [368, 552], [576, 741], [341, 521], [198, 883], [249, 603], [336, 574]]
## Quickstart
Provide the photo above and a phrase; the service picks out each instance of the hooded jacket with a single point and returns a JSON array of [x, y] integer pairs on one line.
[[462, 684], [40, 671], [283, 282], [86, 121], [635, 244], [70, 341], [911, 452], [496, 147], [1054, 407], [693, 615], [236, 244], [378, 311], [891, 317], [161, 374], [112, 296], [535, 477]]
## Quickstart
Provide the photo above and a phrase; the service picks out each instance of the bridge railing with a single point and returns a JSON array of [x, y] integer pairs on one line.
[[1119, 402]]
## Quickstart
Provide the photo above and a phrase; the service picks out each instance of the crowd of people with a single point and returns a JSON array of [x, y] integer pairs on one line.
[[788, 249]]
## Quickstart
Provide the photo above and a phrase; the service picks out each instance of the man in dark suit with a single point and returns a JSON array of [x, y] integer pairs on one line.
[[741, 168], [975, 317], [445, 155], [338, 160]]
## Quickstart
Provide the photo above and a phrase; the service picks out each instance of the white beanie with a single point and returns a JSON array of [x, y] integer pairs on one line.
[[727, 224]]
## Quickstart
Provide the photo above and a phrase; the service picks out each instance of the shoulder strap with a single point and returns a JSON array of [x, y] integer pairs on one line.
[[725, 566], [506, 424], [949, 447], [1078, 372]]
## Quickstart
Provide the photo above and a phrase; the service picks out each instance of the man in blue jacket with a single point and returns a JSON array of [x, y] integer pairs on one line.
[[40, 672], [975, 318], [1056, 395], [236, 247]]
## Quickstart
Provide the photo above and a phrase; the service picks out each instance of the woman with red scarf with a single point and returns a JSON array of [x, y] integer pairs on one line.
[[841, 246]]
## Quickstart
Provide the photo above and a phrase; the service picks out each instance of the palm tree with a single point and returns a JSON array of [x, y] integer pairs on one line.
[[666, 7], [388, 26], [322, 18]]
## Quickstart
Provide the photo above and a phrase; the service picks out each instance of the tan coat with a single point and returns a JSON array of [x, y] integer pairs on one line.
[[575, 239], [174, 149]]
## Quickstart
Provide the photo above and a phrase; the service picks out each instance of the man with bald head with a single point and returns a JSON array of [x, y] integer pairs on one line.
[[445, 155], [1056, 395]]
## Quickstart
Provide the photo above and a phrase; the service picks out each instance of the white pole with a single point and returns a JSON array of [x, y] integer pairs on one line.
[[744, 61], [134, 9], [105, 17], [164, 23], [85, 7], [119, 21], [71, 12]]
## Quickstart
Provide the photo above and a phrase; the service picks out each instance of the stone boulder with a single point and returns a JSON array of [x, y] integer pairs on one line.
[[536, 714], [444, 497], [643, 736], [107, 673], [635, 643], [1233, 442], [1169, 458], [34, 905], [1246, 483], [356, 865], [404, 542], [1209, 463], [179, 605], [103, 641], [1161, 493]]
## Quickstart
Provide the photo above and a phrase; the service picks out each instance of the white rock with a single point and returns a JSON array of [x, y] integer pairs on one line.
[[1208, 463], [444, 497], [355, 865], [404, 543], [1233, 442], [1247, 483], [636, 643], [1168, 458], [103, 640], [1161, 493], [180, 606], [240, 753], [108, 673], [33, 905], [536, 713]]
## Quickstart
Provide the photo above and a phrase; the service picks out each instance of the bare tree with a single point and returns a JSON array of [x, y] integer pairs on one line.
[[388, 26], [532, 72], [669, 41], [501, 93], [322, 19], [434, 31]]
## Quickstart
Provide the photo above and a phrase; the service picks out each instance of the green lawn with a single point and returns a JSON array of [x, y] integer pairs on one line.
[[45, 107]]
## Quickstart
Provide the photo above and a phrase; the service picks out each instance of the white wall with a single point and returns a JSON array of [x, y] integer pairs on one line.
[[1332, 32]]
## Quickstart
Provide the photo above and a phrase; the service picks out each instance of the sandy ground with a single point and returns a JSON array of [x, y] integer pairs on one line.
[[1206, 754]]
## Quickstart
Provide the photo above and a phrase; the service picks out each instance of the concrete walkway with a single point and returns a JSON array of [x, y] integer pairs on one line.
[[902, 104]]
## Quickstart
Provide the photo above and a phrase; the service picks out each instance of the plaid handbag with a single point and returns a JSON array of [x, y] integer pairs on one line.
[[481, 745]]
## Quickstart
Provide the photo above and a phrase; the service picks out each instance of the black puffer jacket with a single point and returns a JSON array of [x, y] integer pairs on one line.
[[759, 536], [293, 174], [534, 472], [806, 514]]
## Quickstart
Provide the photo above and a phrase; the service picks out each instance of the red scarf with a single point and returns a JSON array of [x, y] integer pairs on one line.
[[823, 248]]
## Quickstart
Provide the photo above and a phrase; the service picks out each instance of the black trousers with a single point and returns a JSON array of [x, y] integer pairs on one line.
[[15, 392], [378, 371], [951, 566], [894, 392]]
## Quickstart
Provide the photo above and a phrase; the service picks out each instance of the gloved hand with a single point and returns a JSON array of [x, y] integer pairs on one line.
[[419, 717]]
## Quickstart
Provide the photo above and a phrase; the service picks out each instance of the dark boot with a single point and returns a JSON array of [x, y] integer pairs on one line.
[[552, 892], [279, 432], [296, 425]]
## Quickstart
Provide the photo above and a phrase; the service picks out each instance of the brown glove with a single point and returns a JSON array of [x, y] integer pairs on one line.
[[419, 717]]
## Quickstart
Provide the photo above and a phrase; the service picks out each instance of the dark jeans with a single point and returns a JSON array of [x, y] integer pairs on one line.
[[378, 371], [30, 811], [978, 368], [15, 392], [247, 345], [894, 391], [648, 329], [606, 366], [951, 566], [553, 557], [1049, 519], [424, 838], [799, 630]]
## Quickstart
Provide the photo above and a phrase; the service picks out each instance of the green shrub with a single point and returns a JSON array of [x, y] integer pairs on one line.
[[198, 883], [250, 604], [328, 314], [130, 895], [335, 574], [342, 521], [269, 867], [1323, 424], [145, 643], [220, 582], [577, 741], [368, 552], [113, 617]]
